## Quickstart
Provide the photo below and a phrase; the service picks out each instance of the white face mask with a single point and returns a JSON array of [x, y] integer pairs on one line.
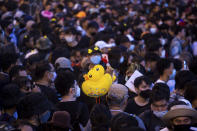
[[95, 59], [163, 41], [159, 114], [77, 90], [132, 47], [185, 67], [153, 30], [126, 78], [122, 59], [54, 77], [163, 54], [69, 38], [172, 76], [130, 37]]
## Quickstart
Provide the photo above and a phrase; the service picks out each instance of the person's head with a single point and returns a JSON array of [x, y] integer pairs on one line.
[[66, 84], [125, 41], [103, 46], [159, 99], [114, 56], [180, 31], [60, 121], [63, 63], [59, 52], [153, 29], [94, 55], [124, 122], [142, 86], [7, 61], [100, 117], [165, 67], [7, 25], [28, 41], [17, 71], [34, 108], [9, 96], [70, 36], [92, 28], [43, 44], [154, 45], [45, 71], [151, 61], [24, 84], [181, 78], [180, 115], [190, 93], [117, 96]]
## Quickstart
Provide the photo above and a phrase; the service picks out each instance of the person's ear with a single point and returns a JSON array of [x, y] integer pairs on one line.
[[47, 74], [137, 90], [72, 91]]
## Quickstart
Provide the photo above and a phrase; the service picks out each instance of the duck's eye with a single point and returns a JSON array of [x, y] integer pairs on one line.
[[90, 76], [97, 69]]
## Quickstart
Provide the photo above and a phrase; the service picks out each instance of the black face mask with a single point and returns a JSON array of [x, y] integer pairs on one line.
[[182, 128], [145, 94], [93, 33]]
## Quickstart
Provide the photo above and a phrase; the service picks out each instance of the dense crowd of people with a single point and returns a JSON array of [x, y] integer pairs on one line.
[[46, 47]]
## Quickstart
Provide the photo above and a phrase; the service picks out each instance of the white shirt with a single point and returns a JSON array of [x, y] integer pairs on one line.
[[164, 129]]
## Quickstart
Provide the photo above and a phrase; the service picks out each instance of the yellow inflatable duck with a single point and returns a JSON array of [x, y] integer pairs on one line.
[[97, 82]]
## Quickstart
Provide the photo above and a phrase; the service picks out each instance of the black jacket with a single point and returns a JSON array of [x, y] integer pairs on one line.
[[152, 122]]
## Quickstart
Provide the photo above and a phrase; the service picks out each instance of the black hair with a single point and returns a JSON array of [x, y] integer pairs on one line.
[[153, 45], [151, 57], [59, 6], [114, 55], [138, 81], [9, 96], [193, 65], [40, 69], [175, 103], [21, 81], [163, 64], [124, 39], [160, 91], [71, 30], [59, 52], [14, 71], [11, 5], [64, 81], [182, 77], [93, 24], [178, 29], [7, 59], [123, 121], [190, 91], [100, 117], [32, 104], [177, 64]]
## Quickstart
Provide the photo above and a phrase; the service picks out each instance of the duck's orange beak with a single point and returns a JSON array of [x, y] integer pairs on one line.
[[86, 77]]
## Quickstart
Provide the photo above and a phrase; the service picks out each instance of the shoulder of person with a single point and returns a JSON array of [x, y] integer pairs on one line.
[[146, 114]]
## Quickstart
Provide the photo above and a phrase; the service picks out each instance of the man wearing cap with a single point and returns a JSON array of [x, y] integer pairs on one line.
[[117, 101], [63, 63], [180, 118]]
